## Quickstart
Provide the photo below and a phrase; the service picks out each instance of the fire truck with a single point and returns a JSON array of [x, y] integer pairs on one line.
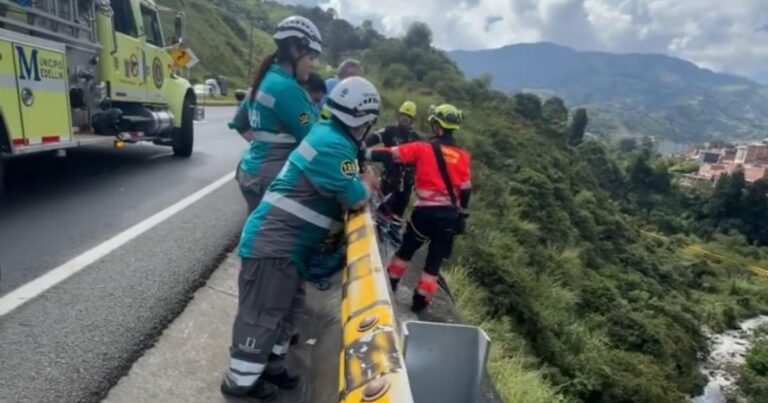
[[80, 72]]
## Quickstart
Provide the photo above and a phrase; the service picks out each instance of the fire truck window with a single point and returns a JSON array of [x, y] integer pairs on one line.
[[124, 22], [152, 30]]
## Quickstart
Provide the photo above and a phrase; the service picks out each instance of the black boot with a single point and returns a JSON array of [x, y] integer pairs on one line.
[[283, 380], [260, 391], [295, 339], [393, 282], [420, 303]]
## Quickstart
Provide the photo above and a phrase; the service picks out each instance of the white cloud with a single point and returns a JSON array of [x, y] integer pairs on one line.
[[727, 36]]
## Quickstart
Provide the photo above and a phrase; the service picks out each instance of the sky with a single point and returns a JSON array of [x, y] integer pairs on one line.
[[723, 35]]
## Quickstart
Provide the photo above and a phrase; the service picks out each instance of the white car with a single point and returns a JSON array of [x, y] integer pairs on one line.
[[206, 90]]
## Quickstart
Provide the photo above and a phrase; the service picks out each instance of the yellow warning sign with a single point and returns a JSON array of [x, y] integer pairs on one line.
[[183, 57]]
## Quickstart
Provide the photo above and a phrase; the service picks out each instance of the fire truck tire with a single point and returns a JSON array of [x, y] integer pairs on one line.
[[184, 137], [2, 175]]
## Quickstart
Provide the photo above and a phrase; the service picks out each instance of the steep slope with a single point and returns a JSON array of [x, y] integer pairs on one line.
[[218, 32], [647, 94]]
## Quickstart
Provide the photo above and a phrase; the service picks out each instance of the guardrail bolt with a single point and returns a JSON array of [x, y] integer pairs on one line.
[[376, 389], [367, 323]]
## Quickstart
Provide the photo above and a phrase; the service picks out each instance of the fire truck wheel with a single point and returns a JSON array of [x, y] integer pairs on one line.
[[2, 176], [184, 137]]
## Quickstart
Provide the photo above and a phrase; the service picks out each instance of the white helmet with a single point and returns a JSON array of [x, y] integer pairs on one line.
[[355, 102], [299, 27]]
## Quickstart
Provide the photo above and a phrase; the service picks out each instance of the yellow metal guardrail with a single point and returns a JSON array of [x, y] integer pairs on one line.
[[372, 368]]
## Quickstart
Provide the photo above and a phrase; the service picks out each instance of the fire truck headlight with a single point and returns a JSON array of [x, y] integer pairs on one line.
[[27, 97]]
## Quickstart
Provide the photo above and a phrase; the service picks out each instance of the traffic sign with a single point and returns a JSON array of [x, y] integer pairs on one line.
[[183, 57]]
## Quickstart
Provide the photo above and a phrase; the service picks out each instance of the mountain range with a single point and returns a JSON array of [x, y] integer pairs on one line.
[[629, 94]]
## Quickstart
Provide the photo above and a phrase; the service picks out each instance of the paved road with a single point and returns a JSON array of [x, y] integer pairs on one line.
[[75, 340]]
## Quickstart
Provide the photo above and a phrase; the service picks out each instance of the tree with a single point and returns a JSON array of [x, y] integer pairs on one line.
[[648, 143], [627, 145], [368, 35], [578, 126], [394, 75], [555, 112], [419, 36], [725, 203], [341, 37], [604, 168], [528, 105], [755, 212]]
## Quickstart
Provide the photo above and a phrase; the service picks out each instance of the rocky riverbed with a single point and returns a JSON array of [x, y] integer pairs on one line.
[[726, 355]]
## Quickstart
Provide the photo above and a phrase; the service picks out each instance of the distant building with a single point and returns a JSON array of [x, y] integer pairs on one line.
[[728, 155], [751, 154], [755, 173], [709, 156], [714, 171], [751, 159]]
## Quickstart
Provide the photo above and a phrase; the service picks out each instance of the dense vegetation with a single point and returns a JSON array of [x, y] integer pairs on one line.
[[582, 304], [630, 93], [646, 186]]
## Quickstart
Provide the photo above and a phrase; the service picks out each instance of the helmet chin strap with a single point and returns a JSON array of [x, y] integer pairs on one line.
[[349, 131]]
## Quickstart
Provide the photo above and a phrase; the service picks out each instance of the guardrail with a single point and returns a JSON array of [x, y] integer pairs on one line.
[[372, 368]]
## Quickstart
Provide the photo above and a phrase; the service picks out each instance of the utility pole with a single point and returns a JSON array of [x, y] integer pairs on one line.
[[250, 47]]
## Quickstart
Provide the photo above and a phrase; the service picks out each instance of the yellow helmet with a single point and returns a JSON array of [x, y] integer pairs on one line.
[[325, 113], [446, 115], [408, 108]]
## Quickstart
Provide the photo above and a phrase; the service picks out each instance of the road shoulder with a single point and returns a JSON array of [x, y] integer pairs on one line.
[[188, 361]]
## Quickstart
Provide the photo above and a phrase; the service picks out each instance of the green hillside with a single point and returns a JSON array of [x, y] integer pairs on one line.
[[582, 305]]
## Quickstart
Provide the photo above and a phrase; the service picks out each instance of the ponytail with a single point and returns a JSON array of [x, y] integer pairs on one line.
[[281, 55], [258, 76]]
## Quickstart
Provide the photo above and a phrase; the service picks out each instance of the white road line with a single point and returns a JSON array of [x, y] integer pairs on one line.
[[34, 288]]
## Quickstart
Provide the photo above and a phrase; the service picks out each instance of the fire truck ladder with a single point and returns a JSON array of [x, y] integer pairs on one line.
[[70, 21]]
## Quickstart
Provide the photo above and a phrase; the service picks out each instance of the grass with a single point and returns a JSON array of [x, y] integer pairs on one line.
[[509, 365]]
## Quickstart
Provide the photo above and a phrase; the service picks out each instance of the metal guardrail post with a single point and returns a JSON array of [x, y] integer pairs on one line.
[[445, 361], [372, 367]]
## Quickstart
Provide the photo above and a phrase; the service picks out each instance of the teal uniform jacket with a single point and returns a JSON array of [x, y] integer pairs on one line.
[[280, 115], [307, 199]]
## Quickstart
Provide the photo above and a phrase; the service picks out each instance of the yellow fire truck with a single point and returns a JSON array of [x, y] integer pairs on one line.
[[78, 72]]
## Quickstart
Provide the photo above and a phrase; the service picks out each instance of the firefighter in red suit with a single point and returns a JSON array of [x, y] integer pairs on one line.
[[443, 188]]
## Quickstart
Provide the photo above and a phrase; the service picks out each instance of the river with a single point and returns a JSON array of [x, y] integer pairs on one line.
[[726, 355]]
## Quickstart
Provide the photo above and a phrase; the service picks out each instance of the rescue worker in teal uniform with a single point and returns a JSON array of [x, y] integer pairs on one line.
[[306, 201], [278, 113]]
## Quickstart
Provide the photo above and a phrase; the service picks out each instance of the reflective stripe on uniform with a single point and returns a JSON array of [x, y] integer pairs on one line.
[[307, 151], [242, 380], [300, 211], [281, 348], [427, 285], [244, 373], [246, 367], [277, 138], [397, 267], [265, 99]]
